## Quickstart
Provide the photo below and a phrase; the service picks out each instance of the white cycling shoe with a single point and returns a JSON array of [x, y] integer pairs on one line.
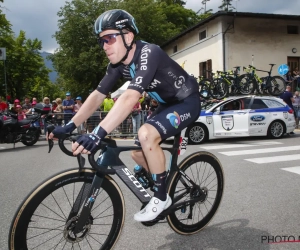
[[153, 209]]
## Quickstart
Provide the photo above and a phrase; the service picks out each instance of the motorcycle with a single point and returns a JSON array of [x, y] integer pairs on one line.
[[25, 131]]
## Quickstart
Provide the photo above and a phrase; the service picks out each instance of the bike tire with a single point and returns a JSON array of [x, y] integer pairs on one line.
[[34, 135], [204, 88], [206, 164], [218, 89], [247, 85], [278, 85], [39, 226]]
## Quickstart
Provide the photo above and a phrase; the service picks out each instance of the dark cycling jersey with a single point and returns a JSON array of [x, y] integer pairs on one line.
[[153, 71]]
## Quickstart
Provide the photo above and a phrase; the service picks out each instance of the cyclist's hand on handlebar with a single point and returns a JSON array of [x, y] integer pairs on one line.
[[87, 144], [62, 130]]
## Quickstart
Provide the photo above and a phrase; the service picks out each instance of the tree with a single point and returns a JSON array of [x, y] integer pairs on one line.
[[25, 68], [81, 63], [226, 6]]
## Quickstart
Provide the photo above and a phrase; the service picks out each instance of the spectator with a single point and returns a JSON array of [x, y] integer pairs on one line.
[[46, 107], [136, 117], [14, 108], [287, 97], [31, 111], [68, 107], [107, 105], [153, 106], [34, 99], [27, 105], [289, 78], [80, 128], [59, 112], [21, 114], [296, 105], [54, 105], [3, 105]]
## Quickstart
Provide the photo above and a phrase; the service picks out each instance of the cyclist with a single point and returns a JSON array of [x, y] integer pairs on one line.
[[149, 69]]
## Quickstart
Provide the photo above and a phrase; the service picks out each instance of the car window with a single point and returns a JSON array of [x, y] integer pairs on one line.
[[258, 104], [273, 103], [246, 103]]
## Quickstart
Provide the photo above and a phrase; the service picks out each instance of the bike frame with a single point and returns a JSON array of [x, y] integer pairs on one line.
[[109, 157]]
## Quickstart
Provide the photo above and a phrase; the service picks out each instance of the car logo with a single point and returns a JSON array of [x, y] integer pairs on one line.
[[257, 118], [209, 119], [227, 122]]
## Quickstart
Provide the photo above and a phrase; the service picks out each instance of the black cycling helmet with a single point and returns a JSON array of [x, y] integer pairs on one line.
[[117, 20]]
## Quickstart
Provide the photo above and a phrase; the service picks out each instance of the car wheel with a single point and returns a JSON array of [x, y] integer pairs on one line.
[[276, 130], [197, 133]]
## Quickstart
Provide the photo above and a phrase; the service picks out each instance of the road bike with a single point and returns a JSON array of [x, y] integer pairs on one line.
[[84, 208], [274, 85]]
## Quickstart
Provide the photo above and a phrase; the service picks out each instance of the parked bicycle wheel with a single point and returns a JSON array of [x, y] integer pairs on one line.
[[205, 170], [47, 216], [278, 85], [204, 88], [218, 88], [247, 85]]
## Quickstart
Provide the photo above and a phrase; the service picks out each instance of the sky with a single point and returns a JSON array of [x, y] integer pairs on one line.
[[38, 18]]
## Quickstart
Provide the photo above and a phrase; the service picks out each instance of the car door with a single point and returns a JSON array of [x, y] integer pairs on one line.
[[232, 122], [260, 116]]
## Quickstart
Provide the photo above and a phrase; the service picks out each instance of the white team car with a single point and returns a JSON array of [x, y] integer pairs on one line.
[[241, 117]]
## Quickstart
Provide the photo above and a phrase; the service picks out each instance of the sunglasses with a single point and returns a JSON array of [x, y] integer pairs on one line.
[[108, 39]]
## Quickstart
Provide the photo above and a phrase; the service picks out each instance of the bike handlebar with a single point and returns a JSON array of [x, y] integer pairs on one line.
[[73, 138]]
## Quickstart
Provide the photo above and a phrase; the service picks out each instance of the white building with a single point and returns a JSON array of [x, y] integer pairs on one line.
[[229, 39]]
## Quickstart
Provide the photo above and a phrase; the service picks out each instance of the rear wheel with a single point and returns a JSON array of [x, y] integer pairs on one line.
[[42, 219], [276, 130], [205, 170], [31, 137], [277, 85]]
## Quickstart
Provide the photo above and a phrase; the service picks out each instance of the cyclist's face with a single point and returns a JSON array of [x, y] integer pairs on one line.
[[113, 45]]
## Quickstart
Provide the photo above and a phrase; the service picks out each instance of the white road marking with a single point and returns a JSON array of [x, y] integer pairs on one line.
[[260, 151], [240, 145], [274, 159], [292, 169]]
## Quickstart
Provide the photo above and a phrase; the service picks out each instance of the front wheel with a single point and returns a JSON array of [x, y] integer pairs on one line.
[[42, 222], [197, 133], [205, 170]]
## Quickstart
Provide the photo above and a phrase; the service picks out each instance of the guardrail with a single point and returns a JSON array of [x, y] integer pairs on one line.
[[128, 128]]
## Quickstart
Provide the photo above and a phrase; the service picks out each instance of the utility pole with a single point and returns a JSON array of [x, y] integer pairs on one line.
[[3, 58], [204, 3]]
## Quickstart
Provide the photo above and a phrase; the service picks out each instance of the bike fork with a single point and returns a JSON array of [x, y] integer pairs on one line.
[[87, 204]]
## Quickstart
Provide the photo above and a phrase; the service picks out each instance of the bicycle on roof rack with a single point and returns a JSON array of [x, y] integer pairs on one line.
[[273, 85], [85, 208]]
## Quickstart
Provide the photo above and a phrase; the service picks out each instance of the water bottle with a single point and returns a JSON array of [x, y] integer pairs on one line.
[[141, 175]]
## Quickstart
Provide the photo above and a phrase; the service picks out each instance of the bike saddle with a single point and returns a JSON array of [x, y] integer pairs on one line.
[[272, 64]]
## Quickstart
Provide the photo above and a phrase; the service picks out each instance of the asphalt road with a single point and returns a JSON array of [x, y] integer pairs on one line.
[[260, 201]]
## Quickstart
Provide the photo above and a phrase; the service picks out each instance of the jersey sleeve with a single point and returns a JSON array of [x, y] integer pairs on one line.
[[148, 63], [112, 75]]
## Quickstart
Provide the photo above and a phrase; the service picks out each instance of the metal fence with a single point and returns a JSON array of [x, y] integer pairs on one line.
[[128, 128]]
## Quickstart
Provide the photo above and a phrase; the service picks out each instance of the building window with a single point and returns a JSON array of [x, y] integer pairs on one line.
[[202, 35], [292, 29], [175, 49], [205, 68]]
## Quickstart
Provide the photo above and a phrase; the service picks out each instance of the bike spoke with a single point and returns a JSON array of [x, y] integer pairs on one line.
[[53, 211], [41, 228], [46, 241]]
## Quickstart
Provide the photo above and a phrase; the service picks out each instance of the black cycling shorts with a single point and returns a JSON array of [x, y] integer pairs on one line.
[[170, 119]]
